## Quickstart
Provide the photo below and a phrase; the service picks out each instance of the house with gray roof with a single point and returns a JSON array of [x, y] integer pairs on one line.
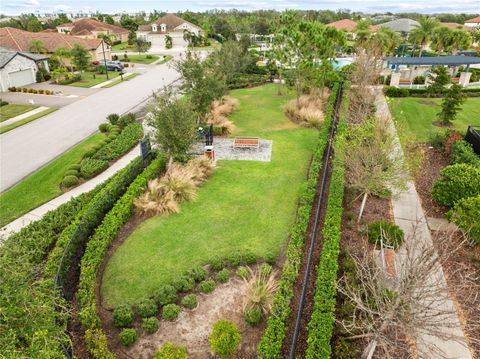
[[19, 68], [401, 25]]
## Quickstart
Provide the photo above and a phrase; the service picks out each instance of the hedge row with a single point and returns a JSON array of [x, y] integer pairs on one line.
[[248, 80], [320, 327], [29, 327], [272, 340], [392, 91], [128, 138], [95, 252]]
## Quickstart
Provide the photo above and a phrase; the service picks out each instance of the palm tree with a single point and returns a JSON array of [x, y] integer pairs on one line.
[[61, 54], [37, 47], [168, 42], [460, 39], [386, 40], [363, 31], [441, 38], [423, 32], [188, 36]]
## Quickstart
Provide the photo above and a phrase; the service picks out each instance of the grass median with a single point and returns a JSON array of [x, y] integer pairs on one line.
[[26, 120]]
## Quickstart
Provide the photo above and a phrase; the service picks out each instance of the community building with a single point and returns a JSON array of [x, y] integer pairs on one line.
[[20, 40], [19, 68], [88, 28], [168, 25]]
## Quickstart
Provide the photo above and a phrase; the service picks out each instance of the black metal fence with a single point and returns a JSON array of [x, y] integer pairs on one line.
[[473, 137]]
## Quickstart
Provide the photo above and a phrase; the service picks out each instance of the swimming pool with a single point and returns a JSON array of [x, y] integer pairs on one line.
[[341, 62]]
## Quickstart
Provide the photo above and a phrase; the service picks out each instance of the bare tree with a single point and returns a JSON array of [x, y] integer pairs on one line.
[[373, 165], [393, 312]]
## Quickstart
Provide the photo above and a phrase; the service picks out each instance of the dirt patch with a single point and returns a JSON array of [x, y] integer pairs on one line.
[[428, 102], [442, 124], [435, 160], [193, 327]]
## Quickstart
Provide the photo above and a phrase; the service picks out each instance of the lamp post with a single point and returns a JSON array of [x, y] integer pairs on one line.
[[104, 59]]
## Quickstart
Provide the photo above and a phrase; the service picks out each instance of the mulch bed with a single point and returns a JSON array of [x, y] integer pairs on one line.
[[435, 160]]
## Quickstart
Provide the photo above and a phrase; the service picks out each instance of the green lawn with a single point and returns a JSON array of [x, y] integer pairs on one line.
[[26, 120], [414, 116], [244, 205], [119, 81], [90, 79], [11, 110], [43, 185], [141, 59], [123, 46], [165, 59]]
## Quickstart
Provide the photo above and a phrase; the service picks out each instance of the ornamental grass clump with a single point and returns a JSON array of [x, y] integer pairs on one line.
[[261, 289], [220, 110], [179, 183], [308, 109]]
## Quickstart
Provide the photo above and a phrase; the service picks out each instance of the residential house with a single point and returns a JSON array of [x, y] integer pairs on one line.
[[402, 26], [473, 23], [88, 28], [349, 27], [19, 68], [20, 40], [170, 25]]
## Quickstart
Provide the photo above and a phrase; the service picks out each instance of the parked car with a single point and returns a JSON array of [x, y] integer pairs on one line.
[[112, 65]]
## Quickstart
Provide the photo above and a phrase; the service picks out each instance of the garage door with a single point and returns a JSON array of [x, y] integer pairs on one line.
[[21, 78], [158, 40]]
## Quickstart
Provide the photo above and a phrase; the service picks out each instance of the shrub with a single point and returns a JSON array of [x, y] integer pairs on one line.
[[217, 264], [250, 258], [207, 286], [96, 343], [466, 215], [147, 308], [243, 272], [271, 259], [390, 234], [171, 351], [75, 167], [123, 316], [90, 167], [71, 173], [198, 274], [222, 276], [125, 120], [122, 143], [128, 336], [113, 118], [104, 127], [234, 259], [458, 181], [266, 269], [225, 338], [184, 284], [419, 80], [69, 181], [150, 325], [171, 312], [462, 152], [190, 301], [252, 316], [166, 294], [3, 103], [451, 137], [437, 139], [392, 91]]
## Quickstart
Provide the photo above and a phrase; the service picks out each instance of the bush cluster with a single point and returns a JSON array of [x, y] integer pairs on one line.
[[171, 351], [222, 276], [123, 316], [198, 274], [462, 152], [207, 286], [99, 243], [248, 80], [243, 272], [128, 138], [253, 316], [128, 336], [391, 234], [166, 294], [90, 167], [217, 264], [171, 312], [147, 308], [457, 181], [69, 181], [184, 283], [225, 338], [392, 91], [30, 90], [150, 325], [190, 301], [3, 103], [466, 215], [272, 340]]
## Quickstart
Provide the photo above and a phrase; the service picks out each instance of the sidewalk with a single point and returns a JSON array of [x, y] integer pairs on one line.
[[100, 85], [23, 116], [408, 215], [39, 212]]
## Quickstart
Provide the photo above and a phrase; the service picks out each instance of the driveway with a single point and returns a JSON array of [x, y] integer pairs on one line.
[[29, 147]]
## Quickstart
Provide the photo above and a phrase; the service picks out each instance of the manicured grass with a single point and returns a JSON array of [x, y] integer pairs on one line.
[[165, 59], [26, 120], [88, 79], [119, 81], [415, 116], [123, 46], [11, 110], [43, 185], [244, 205], [142, 59]]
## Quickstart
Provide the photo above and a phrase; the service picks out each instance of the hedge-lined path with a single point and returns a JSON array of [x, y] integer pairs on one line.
[[39, 212], [408, 215]]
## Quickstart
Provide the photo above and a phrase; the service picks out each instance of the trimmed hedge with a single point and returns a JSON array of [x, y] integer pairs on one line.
[[116, 148], [462, 152], [31, 329], [274, 335], [90, 167], [457, 182], [320, 327], [392, 91], [466, 215], [98, 245]]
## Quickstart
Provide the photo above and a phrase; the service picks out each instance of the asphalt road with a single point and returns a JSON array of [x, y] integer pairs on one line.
[[29, 147]]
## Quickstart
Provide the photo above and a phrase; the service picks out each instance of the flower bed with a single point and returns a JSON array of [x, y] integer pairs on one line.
[[271, 343]]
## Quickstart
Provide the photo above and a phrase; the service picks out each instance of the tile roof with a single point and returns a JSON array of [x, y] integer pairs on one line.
[[87, 26], [20, 40], [345, 24], [401, 25], [172, 21], [474, 20], [451, 25]]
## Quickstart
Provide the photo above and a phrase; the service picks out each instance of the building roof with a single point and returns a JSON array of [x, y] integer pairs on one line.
[[6, 55], [345, 24], [171, 21], [401, 25], [475, 20], [434, 60], [20, 40], [451, 25], [88, 26]]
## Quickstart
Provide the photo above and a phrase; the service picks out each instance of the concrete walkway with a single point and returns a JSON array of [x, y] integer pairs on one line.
[[39, 212], [408, 214], [23, 116]]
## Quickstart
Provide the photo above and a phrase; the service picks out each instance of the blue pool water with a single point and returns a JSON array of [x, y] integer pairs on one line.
[[339, 63]]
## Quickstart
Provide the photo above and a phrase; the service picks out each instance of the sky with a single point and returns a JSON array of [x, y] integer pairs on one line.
[[16, 7]]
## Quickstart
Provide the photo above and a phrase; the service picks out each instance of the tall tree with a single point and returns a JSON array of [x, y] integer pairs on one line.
[[142, 45], [109, 20], [423, 32], [386, 40], [362, 32], [80, 57], [37, 47], [451, 104], [128, 23]]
